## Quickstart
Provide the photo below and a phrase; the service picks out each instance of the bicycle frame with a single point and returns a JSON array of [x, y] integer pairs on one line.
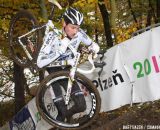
[[48, 25]]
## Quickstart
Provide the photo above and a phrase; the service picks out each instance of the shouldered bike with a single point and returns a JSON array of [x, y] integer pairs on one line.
[[24, 44]]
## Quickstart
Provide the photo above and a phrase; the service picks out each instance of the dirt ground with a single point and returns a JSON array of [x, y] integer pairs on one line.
[[144, 116], [140, 116]]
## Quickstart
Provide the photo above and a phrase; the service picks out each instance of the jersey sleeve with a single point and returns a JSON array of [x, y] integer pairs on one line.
[[84, 38], [88, 41], [50, 51]]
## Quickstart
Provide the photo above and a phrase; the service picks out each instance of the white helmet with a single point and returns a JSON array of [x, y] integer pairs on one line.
[[73, 16]]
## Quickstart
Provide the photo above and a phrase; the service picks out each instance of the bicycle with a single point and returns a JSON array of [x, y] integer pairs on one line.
[[24, 47]]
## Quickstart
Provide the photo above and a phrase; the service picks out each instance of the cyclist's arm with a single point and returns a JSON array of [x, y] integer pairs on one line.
[[88, 41], [44, 59], [51, 52]]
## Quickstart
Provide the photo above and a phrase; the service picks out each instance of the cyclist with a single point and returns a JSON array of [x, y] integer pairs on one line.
[[55, 46]]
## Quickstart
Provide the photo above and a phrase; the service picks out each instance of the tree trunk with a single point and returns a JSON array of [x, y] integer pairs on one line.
[[19, 87], [43, 9], [113, 13], [96, 30], [132, 12], [148, 18], [158, 10], [151, 14], [44, 15], [113, 18], [106, 23]]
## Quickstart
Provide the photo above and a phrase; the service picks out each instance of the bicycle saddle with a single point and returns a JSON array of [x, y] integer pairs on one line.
[[55, 2]]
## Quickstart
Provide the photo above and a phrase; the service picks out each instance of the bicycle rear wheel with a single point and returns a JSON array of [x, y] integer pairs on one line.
[[20, 24], [48, 110]]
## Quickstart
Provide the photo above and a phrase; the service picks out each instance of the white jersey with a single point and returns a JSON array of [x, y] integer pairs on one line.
[[53, 46]]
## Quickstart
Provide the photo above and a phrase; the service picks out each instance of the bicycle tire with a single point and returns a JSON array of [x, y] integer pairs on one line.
[[23, 22], [86, 120]]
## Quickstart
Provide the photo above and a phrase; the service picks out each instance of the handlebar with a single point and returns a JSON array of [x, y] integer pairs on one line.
[[90, 59], [94, 65]]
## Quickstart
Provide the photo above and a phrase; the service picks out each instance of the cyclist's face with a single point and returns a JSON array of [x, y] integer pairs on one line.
[[71, 30]]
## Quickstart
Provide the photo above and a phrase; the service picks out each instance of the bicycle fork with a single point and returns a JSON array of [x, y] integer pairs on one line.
[[71, 78]]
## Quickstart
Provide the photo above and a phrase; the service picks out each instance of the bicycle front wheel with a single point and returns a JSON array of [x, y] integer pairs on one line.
[[20, 24], [48, 110]]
